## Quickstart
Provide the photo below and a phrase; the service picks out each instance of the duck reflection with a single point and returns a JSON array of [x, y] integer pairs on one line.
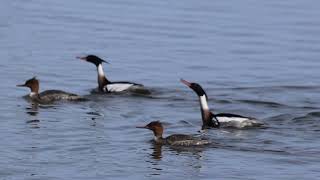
[[195, 150], [157, 151], [189, 157], [33, 111]]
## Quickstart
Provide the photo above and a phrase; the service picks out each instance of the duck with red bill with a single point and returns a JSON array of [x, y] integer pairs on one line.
[[104, 85], [211, 120], [175, 139], [48, 96]]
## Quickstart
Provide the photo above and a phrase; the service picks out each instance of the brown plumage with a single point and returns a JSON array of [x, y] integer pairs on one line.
[[175, 139], [48, 96]]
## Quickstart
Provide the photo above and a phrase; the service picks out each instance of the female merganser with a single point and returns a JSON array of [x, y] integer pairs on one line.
[[211, 120], [107, 86], [175, 139], [48, 96]]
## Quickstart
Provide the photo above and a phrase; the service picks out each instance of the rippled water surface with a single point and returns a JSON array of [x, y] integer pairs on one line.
[[254, 58]]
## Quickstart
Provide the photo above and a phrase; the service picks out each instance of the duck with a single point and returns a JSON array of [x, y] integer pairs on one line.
[[48, 96], [106, 86], [174, 139], [225, 120]]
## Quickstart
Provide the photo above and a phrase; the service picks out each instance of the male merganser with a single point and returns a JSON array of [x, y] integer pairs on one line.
[[211, 120], [48, 96], [175, 139], [107, 86]]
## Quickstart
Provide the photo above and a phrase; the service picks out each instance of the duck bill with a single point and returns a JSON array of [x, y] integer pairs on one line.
[[185, 82], [21, 85], [81, 58], [143, 127]]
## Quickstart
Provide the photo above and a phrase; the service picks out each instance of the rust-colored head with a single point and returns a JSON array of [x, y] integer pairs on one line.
[[154, 126], [32, 83]]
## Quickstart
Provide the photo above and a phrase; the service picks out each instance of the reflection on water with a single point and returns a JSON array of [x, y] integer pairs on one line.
[[33, 121], [254, 58], [157, 151], [156, 157], [33, 112]]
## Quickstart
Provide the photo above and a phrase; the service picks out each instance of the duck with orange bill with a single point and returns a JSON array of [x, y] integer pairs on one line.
[[48, 96], [211, 120], [174, 139], [104, 85]]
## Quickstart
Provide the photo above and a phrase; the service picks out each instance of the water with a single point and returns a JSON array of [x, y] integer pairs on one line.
[[254, 58]]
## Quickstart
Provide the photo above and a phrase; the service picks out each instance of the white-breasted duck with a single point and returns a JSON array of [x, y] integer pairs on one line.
[[104, 85], [211, 120], [175, 139], [47, 96]]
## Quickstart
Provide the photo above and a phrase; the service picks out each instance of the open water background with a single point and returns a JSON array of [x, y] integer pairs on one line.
[[255, 58]]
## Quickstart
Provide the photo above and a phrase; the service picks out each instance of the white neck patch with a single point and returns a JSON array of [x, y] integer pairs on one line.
[[32, 94], [203, 102], [100, 70], [156, 138]]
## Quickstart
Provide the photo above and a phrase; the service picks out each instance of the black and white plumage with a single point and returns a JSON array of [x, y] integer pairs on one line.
[[121, 86], [237, 121], [104, 85], [211, 120]]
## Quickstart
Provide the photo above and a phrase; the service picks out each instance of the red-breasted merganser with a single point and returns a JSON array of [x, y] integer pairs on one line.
[[211, 120], [47, 96], [175, 139], [107, 86]]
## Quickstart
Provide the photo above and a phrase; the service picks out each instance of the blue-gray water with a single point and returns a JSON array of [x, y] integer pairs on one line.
[[254, 58]]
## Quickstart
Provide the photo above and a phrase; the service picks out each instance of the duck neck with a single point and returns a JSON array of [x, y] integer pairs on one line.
[[158, 135], [159, 139], [34, 95], [207, 116], [34, 90], [102, 80]]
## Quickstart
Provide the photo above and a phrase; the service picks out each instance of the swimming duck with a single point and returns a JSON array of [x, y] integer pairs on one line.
[[211, 120], [174, 139], [104, 85], [47, 96]]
